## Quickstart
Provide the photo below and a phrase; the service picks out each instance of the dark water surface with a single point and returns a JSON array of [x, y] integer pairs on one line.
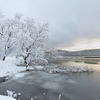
[[40, 85]]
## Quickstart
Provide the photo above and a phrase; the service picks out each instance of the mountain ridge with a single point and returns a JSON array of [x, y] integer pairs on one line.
[[88, 52]]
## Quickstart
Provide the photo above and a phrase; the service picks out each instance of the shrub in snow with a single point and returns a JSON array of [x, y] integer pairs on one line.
[[59, 96], [13, 94], [9, 93], [69, 69]]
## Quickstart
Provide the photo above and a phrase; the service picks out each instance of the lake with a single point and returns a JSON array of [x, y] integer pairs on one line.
[[40, 85], [79, 62]]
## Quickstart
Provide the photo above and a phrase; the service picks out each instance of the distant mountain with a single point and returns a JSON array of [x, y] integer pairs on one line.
[[87, 53]]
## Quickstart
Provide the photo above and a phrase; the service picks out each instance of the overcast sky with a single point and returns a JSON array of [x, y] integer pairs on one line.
[[74, 24]]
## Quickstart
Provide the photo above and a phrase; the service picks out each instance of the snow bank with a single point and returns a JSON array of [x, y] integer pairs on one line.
[[39, 67], [6, 98], [11, 60], [19, 61], [8, 67]]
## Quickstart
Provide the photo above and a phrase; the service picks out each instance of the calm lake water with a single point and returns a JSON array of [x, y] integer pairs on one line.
[[40, 85], [79, 62]]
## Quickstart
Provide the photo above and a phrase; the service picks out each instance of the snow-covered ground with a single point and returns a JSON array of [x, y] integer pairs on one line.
[[6, 98], [9, 67]]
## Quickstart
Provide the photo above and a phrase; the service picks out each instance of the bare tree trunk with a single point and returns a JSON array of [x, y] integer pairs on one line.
[[25, 62], [26, 65], [4, 58]]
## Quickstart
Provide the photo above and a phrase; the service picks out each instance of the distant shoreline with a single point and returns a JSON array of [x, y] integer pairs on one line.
[[91, 57]]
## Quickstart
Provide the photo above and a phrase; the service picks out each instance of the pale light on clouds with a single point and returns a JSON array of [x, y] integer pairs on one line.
[[70, 20], [88, 44]]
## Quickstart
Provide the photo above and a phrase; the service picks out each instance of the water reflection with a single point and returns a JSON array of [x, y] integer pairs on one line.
[[79, 62]]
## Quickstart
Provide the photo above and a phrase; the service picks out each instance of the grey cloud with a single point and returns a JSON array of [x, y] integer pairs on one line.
[[70, 20]]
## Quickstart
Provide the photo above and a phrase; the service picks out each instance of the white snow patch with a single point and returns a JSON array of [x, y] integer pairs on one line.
[[19, 93], [19, 61], [39, 67], [30, 67], [8, 67], [11, 60], [6, 98]]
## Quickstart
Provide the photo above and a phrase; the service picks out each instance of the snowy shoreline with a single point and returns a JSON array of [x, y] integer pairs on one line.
[[6, 98], [9, 68]]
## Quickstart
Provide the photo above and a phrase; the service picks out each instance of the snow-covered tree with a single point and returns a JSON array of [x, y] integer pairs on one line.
[[27, 39], [31, 40], [50, 52], [7, 38], [8, 31]]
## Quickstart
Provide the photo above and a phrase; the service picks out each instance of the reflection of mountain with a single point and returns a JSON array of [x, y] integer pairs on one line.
[[90, 62], [87, 53]]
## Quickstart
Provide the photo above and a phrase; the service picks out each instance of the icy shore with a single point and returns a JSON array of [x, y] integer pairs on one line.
[[6, 98], [9, 68], [65, 69]]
